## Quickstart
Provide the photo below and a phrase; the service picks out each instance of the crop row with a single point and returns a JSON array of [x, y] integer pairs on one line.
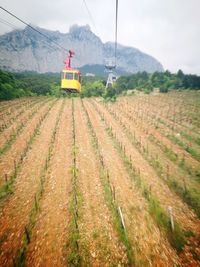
[[74, 258], [188, 193], [182, 235], [8, 106], [174, 153], [19, 127], [160, 118], [7, 187], [161, 217], [7, 121]]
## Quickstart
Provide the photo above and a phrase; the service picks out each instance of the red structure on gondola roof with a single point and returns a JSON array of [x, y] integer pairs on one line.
[[67, 62]]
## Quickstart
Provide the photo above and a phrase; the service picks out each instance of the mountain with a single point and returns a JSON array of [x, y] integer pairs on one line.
[[22, 50]]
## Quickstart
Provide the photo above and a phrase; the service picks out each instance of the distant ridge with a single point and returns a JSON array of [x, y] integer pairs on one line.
[[26, 50]]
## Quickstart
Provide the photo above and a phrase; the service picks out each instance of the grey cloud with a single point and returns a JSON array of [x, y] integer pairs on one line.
[[168, 30]]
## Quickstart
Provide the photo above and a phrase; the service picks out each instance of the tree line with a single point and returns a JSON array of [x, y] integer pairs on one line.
[[163, 80], [13, 85], [145, 82]]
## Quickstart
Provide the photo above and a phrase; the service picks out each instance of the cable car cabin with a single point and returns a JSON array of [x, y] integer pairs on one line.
[[71, 80]]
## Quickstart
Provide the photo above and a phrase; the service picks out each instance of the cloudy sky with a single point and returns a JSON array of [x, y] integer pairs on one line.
[[169, 30]]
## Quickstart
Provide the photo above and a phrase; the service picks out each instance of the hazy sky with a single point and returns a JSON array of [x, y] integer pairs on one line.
[[169, 30]]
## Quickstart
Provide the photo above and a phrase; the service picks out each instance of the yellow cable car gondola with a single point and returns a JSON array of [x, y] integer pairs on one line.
[[71, 78]]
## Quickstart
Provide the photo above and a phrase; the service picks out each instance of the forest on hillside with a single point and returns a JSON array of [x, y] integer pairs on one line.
[[15, 85]]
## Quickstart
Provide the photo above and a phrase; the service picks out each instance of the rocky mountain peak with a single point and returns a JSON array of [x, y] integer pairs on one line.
[[25, 49], [74, 29]]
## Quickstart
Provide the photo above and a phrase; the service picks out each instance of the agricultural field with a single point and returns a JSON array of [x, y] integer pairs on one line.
[[84, 182]]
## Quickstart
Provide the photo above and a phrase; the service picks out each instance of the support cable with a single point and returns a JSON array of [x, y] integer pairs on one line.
[[7, 23], [89, 13], [12, 26], [116, 28], [34, 29]]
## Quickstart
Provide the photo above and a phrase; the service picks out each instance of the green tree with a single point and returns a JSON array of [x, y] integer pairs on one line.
[[96, 88], [7, 92]]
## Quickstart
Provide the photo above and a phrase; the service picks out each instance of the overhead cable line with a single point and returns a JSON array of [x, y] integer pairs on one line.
[[34, 29], [116, 26], [7, 23], [112, 64], [89, 13]]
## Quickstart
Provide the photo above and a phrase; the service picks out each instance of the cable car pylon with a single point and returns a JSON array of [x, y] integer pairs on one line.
[[110, 66], [112, 63]]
